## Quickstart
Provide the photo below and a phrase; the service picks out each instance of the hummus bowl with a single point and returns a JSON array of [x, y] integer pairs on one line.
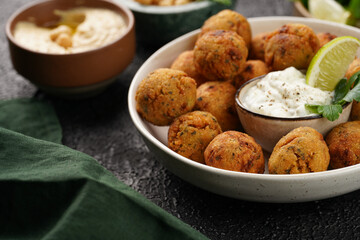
[[71, 75], [240, 185]]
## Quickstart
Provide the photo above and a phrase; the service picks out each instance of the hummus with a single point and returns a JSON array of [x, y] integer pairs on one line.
[[284, 94], [79, 30]]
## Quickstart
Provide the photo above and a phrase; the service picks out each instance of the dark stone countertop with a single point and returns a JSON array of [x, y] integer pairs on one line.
[[101, 127]]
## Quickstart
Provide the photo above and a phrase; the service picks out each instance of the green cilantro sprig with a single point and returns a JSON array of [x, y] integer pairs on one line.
[[345, 91]]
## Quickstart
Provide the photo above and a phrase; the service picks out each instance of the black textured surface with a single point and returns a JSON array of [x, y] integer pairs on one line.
[[101, 127]]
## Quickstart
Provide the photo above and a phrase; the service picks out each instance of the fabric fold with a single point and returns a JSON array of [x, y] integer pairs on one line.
[[49, 191]]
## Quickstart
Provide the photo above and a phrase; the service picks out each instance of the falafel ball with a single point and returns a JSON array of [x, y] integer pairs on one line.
[[190, 134], [257, 49], [220, 55], [185, 62], [235, 151], [353, 68], [231, 21], [303, 150], [218, 98], [165, 94], [253, 69], [355, 111], [291, 45], [344, 144], [325, 37]]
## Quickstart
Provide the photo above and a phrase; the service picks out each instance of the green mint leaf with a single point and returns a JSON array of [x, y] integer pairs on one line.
[[354, 78], [331, 112], [354, 93], [341, 89], [342, 95], [312, 108]]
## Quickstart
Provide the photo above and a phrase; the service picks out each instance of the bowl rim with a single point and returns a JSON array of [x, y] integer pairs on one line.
[[165, 10], [12, 39], [302, 9], [285, 119], [138, 121]]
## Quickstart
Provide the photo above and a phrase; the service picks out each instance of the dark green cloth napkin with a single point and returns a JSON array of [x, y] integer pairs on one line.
[[30, 117], [49, 191]]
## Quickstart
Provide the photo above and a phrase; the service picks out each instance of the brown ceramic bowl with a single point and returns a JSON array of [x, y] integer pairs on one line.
[[76, 74], [267, 130]]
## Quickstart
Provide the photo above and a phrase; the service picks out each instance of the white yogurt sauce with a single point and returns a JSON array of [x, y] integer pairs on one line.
[[284, 94]]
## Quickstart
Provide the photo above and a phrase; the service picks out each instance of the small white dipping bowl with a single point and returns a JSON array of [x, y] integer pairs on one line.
[[248, 186], [267, 130]]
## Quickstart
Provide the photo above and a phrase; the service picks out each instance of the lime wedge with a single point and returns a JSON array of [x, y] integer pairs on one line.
[[330, 63], [328, 10]]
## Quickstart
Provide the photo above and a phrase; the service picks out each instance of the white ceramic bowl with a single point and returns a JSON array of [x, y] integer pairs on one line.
[[247, 186], [267, 130]]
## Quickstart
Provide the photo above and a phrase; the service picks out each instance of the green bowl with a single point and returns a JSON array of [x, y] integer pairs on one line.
[[157, 25]]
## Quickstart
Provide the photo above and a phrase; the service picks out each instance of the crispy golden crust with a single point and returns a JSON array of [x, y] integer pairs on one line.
[[190, 134], [302, 150], [253, 69], [291, 45], [231, 21], [235, 151], [257, 49], [164, 95], [185, 62], [218, 98], [353, 68], [344, 144], [355, 111], [220, 55], [325, 37]]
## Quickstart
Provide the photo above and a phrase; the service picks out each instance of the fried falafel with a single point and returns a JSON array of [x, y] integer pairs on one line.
[[344, 144], [231, 21], [185, 62], [253, 69], [190, 134], [165, 94], [303, 150], [325, 37], [220, 55], [235, 151], [291, 45], [218, 98], [257, 49], [353, 68]]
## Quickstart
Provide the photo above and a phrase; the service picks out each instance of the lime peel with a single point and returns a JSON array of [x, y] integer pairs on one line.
[[330, 63], [329, 10]]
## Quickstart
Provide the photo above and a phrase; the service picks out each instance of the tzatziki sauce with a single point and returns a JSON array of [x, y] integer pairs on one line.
[[284, 94]]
